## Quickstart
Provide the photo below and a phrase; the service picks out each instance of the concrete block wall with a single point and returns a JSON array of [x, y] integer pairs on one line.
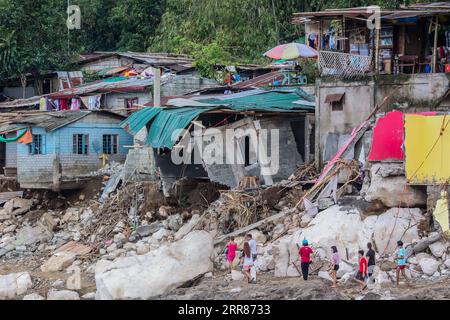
[[289, 158], [35, 170], [183, 84], [11, 155]]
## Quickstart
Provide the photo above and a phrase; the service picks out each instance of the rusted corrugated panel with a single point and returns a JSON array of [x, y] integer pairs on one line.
[[335, 97], [262, 80]]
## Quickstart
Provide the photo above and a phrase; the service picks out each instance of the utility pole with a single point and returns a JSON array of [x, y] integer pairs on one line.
[[157, 87], [68, 29]]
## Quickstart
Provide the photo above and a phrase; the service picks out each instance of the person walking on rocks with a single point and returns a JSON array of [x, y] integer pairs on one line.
[[361, 274], [247, 262], [231, 253], [253, 246], [400, 256], [305, 258], [370, 257], [335, 260]]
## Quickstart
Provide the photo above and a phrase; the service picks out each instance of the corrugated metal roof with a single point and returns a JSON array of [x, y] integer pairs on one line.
[[20, 103], [138, 120], [166, 127], [165, 122], [54, 120], [271, 101], [108, 85]]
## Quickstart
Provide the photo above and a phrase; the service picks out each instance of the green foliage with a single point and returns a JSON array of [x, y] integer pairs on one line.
[[35, 33], [244, 29], [207, 56], [8, 53], [125, 25], [309, 69]]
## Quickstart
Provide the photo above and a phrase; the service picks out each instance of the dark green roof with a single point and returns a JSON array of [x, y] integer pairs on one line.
[[165, 123]]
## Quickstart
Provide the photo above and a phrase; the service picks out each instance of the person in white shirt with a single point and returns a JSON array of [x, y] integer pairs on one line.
[[252, 244]]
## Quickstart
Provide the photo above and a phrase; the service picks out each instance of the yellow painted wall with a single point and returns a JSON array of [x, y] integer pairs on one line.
[[421, 133]]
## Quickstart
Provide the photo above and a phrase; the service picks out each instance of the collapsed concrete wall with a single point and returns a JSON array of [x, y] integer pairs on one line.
[[293, 148]]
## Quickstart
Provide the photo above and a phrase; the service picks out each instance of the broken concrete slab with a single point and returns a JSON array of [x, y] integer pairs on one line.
[[62, 295], [58, 262], [393, 190], [187, 227], [17, 206], [14, 284], [145, 231]]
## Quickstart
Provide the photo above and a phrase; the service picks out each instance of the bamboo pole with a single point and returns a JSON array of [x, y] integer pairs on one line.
[[377, 50], [436, 25]]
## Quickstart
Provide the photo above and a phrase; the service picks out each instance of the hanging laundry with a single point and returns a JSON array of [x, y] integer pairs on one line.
[[63, 104], [26, 138], [94, 102], [311, 40], [43, 104], [75, 104]]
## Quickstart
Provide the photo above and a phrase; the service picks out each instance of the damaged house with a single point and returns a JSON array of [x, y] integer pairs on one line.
[[279, 120], [406, 58], [59, 150]]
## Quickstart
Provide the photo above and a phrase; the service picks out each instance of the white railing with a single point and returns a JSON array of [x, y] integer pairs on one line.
[[343, 64]]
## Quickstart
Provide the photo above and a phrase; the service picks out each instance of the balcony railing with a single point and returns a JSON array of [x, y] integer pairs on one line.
[[344, 65]]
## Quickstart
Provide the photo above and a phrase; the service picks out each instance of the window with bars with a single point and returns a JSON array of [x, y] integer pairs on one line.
[[80, 143], [36, 146], [110, 143]]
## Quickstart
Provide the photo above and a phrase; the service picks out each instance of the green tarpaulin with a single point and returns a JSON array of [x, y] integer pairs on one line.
[[8, 140]]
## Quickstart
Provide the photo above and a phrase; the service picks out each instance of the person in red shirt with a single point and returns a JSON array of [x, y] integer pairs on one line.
[[305, 258], [361, 275]]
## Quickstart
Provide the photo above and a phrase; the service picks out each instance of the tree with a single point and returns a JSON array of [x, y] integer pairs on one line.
[[35, 37]]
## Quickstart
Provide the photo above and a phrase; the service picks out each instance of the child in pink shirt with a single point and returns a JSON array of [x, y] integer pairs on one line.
[[231, 253]]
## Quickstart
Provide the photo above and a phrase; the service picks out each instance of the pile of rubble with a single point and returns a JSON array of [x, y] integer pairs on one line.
[[139, 244]]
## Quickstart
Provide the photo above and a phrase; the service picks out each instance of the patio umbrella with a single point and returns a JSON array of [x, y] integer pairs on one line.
[[291, 51]]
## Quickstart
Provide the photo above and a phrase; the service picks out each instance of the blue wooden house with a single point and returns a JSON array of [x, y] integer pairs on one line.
[[67, 147]]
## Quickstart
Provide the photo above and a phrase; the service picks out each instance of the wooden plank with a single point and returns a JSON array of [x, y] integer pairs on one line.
[[249, 227], [5, 196]]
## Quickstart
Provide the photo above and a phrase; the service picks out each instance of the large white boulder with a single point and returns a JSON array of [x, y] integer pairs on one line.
[[336, 226], [154, 273], [281, 256], [429, 265], [388, 185], [438, 248], [14, 284], [33, 296], [396, 224], [258, 236], [237, 275]]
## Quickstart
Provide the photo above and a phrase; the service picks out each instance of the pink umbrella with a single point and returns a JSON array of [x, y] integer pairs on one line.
[[291, 51]]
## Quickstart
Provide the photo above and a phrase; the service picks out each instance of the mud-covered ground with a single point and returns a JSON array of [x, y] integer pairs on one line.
[[315, 288]]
